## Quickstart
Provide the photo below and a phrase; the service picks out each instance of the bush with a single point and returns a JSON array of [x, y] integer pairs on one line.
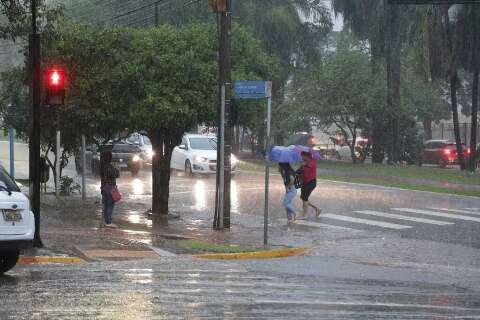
[[68, 186]]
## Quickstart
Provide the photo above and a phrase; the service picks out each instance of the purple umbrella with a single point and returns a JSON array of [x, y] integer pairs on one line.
[[315, 154], [291, 154]]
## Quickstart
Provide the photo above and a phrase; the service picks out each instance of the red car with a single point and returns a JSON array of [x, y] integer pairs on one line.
[[442, 152]]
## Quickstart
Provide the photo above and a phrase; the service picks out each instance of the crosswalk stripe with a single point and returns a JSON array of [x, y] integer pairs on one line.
[[438, 214], [400, 217], [365, 221], [316, 224], [320, 225], [455, 210]]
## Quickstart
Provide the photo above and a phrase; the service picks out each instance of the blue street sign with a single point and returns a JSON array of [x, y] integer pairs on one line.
[[251, 90]]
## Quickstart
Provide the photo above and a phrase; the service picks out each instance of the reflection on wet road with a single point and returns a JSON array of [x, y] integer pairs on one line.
[[416, 215], [189, 289]]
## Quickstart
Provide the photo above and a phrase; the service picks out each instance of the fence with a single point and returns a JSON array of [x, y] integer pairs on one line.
[[445, 131]]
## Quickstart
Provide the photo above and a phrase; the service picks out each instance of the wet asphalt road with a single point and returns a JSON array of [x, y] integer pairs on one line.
[[409, 214], [378, 253], [182, 288]]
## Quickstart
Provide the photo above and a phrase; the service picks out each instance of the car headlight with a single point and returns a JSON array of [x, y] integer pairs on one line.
[[150, 154], [201, 159], [136, 158], [234, 160]]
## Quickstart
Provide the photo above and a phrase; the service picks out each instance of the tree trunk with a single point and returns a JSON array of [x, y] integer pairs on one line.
[[163, 144], [476, 71], [236, 143], [352, 148], [252, 145], [393, 48], [473, 134], [456, 125], [242, 139], [453, 78]]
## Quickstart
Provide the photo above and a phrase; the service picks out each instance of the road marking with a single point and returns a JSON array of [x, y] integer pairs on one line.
[[438, 214], [455, 210], [365, 221], [473, 209], [317, 224], [400, 217]]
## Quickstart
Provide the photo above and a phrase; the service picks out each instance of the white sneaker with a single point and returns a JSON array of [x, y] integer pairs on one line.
[[111, 225]]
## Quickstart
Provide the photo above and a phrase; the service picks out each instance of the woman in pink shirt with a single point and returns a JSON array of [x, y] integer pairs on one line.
[[308, 173]]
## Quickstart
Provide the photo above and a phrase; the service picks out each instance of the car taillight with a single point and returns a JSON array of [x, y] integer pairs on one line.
[[447, 151], [468, 151]]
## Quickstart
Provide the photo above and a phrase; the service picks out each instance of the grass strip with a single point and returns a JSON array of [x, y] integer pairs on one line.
[[380, 174], [195, 246], [398, 184]]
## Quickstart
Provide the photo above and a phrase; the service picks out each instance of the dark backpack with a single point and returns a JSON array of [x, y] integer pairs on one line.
[[297, 182]]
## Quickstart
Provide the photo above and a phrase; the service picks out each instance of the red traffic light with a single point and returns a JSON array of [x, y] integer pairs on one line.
[[55, 86], [55, 78]]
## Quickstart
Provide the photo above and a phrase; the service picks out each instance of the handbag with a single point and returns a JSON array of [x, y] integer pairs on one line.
[[116, 195], [297, 182]]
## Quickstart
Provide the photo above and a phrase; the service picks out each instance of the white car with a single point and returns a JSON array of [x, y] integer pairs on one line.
[[197, 154], [17, 225], [343, 150]]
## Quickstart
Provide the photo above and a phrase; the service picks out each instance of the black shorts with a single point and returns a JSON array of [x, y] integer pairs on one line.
[[307, 189]]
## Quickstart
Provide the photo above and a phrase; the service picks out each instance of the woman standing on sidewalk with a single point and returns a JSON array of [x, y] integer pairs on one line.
[[308, 172], [109, 175], [288, 175]]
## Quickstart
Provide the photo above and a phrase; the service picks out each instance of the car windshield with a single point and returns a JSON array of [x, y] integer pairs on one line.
[[7, 182], [203, 143]]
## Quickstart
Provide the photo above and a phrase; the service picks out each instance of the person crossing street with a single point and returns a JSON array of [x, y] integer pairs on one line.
[[308, 172]]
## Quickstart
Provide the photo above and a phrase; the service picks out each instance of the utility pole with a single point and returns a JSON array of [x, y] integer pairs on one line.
[[156, 14], [35, 73], [224, 8]]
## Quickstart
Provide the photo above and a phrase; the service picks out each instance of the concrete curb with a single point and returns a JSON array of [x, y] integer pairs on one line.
[[23, 260], [268, 254]]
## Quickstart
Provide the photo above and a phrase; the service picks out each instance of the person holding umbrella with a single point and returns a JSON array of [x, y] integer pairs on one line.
[[308, 172], [288, 176]]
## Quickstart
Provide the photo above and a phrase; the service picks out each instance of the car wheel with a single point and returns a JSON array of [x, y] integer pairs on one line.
[[188, 168], [8, 260]]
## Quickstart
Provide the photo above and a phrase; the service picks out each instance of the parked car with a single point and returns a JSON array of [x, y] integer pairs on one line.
[[17, 224], [442, 152], [197, 154]]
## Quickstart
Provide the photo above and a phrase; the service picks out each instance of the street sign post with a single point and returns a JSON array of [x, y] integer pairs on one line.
[[251, 89], [260, 90]]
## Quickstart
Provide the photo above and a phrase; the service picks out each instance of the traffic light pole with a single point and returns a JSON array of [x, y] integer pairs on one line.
[[35, 90], [226, 131]]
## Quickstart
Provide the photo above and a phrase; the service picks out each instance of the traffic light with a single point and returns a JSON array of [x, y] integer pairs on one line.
[[55, 86]]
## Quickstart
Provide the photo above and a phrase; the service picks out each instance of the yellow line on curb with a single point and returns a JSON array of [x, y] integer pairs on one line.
[[45, 260], [269, 254]]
